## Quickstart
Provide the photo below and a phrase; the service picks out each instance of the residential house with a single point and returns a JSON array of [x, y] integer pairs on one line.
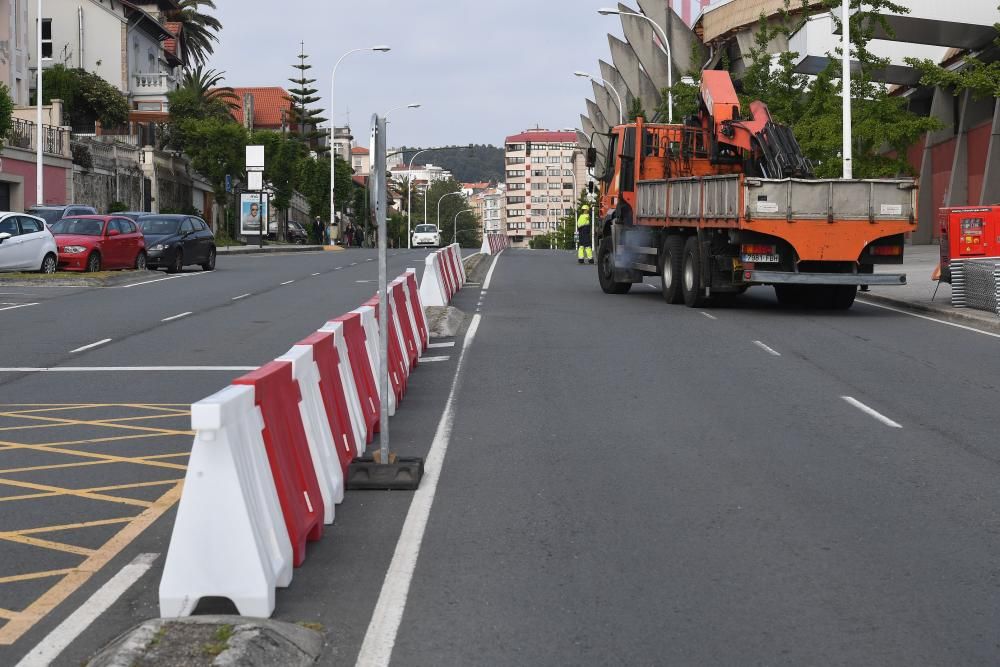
[[271, 107], [361, 161]]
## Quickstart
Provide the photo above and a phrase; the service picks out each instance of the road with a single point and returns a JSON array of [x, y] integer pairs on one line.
[[616, 480]]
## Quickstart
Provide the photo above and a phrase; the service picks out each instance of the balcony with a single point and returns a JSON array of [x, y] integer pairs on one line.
[[153, 84], [55, 140]]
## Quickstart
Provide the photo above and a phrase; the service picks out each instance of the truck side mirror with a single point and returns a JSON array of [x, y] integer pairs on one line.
[[591, 157]]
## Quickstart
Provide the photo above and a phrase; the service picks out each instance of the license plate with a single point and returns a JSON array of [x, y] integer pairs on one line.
[[761, 259]]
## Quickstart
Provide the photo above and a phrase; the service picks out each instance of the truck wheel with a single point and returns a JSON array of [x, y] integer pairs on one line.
[[606, 269], [672, 269], [789, 295], [842, 297], [692, 283]]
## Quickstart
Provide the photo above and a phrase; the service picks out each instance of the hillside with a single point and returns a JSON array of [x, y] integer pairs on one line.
[[469, 164]]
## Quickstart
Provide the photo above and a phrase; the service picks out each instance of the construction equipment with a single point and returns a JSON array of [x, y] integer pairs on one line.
[[723, 202]]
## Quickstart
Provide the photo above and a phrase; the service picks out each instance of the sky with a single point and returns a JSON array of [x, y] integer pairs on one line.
[[480, 70]]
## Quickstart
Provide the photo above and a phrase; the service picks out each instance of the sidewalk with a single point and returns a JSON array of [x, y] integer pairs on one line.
[[919, 262], [273, 247]]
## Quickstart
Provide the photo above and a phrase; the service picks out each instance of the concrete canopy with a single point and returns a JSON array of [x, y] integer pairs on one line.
[[607, 103], [597, 117], [936, 32], [639, 83], [614, 77]]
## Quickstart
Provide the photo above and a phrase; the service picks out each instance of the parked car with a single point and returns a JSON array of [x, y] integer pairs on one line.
[[95, 242], [25, 244], [295, 233], [426, 235], [51, 214], [131, 215], [175, 241]]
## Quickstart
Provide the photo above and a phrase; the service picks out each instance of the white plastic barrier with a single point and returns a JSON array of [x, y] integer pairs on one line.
[[457, 249], [493, 243], [370, 324], [411, 317], [229, 538], [433, 289], [322, 449], [354, 408]]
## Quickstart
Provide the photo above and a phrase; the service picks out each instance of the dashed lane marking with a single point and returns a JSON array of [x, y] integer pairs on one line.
[[448, 344], [176, 317], [871, 412], [288, 282], [767, 349], [20, 305], [241, 296], [433, 359], [90, 346], [708, 315]]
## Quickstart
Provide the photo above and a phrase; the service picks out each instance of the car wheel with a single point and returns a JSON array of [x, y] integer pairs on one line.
[[140, 261], [209, 264], [178, 264], [48, 264], [94, 263]]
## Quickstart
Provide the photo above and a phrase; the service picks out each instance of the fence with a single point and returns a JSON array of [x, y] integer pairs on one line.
[[975, 283], [55, 140]]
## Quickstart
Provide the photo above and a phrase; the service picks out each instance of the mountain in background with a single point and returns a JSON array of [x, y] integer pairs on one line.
[[475, 163]]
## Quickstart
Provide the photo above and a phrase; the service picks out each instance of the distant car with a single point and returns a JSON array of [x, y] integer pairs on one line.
[[96, 242], [294, 233], [51, 214], [25, 244], [426, 235], [131, 215], [174, 241]]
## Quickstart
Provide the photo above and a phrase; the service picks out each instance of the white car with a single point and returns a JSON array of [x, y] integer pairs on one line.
[[26, 244], [426, 235]]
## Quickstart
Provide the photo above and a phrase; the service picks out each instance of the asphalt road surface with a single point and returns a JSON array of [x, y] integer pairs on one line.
[[614, 480]]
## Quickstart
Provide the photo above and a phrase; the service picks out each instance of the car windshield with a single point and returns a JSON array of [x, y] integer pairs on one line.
[[159, 226], [425, 229], [49, 215], [78, 227]]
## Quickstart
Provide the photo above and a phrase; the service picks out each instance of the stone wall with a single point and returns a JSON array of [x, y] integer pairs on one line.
[[105, 173]]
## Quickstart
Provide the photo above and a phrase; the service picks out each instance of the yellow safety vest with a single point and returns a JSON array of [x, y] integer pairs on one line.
[[584, 219]]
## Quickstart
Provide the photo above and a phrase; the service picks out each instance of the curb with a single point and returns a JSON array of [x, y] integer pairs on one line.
[[256, 250], [949, 313], [68, 279]]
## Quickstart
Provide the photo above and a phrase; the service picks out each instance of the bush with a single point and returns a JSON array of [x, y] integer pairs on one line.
[[117, 207]]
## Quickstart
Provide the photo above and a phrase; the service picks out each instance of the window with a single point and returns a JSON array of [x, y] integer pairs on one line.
[[537, 172], [567, 211], [538, 200], [554, 159], [567, 172], [515, 213], [554, 200], [567, 186], [515, 173], [515, 186], [47, 39], [553, 172], [125, 226], [515, 200], [30, 225], [9, 226], [568, 159], [187, 227], [515, 160], [514, 147]]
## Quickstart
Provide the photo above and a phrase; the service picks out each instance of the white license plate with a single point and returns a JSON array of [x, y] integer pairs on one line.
[[761, 259]]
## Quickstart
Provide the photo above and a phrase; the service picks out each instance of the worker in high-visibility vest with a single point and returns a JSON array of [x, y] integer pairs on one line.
[[583, 239]]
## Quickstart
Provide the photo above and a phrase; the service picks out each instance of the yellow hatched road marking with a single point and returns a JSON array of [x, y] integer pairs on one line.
[[84, 422], [67, 526], [75, 578], [35, 575], [98, 422], [60, 491], [110, 458], [81, 464], [7, 614], [48, 544]]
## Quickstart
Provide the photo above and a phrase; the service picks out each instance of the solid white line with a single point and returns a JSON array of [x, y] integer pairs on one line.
[[448, 344], [21, 305], [432, 359], [767, 349], [489, 274], [242, 296], [149, 282], [54, 643], [288, 282], [871, 413], [176, 317], [87, 347], [102, 369], [380, 637], [708, 315], [932, 319]]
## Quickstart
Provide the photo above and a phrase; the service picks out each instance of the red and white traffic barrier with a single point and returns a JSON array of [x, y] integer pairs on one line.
[[444, 275], [493, 243]]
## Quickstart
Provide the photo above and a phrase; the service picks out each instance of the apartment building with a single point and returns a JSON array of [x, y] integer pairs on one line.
[[545, 172]]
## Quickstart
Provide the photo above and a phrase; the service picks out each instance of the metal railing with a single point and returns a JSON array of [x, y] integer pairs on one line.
[[55, 140], [153, 83], [975, 283]]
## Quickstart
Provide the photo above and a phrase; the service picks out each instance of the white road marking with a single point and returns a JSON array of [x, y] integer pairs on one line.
[[148, 282], [871, 412], [448, 344], [22, 305], [708, 315], [380, 638], [651, 286], [767, 349], [288, 282], [314, 274], [433, 359], [87, 347], [932, 319], [370, 259], [338, 268], [176, 317], [489, 274], [115, 369], [365, 281], [54, 643], [241, 296], [354, 263]]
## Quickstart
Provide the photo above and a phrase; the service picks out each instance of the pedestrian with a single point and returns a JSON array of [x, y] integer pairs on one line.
[[318, 230], [583, 236]]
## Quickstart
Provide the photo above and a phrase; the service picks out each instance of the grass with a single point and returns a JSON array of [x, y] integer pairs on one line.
[[221, 643]]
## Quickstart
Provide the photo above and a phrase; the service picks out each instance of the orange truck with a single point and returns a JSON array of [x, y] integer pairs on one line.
[[721, 203]]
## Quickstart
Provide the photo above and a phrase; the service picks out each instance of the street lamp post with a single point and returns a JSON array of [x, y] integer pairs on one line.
[[409, 198], [621, 113], [39, 187], [412, 105], [464, 210], [666, 49], [447, 194], [333, 129]]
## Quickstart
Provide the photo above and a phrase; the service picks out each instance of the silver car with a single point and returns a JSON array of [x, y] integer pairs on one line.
[[26, 244]]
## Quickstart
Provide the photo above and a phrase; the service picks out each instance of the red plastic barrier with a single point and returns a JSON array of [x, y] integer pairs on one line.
[[418, 311], [456, 276], [277, 395], [364, 378], [397, 367], [449, 280], [332, 389], [398, 300]]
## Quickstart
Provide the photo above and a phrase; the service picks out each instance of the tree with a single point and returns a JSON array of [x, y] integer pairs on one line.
[[6, 112], [314, 185], [199, 97], [198, 30], [87, 98], [216, 147], [302, 97], [281, 169], [980, 78], [635, 110]]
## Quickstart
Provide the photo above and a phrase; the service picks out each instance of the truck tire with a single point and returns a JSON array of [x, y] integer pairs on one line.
[[842, 296], [788, 295], [672, 269], [606, 269], [692, 284]]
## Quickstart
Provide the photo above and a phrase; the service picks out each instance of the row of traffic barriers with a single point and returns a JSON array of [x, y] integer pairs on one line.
[[444, 275], [271, 454], [493, 243]]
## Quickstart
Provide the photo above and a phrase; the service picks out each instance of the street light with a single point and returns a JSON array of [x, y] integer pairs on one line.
[[413, 105], [665, 45], [621, 116], [333, 128], [409, 198], [447, 194], [39, 188], [464, 210]]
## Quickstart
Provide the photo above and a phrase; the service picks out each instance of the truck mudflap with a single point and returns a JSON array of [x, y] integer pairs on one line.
[[792, 278]]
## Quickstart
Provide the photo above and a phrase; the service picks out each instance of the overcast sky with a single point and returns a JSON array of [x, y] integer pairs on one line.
[[481, 70]]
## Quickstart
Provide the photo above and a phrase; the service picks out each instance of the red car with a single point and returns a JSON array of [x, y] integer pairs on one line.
[[97, 242]]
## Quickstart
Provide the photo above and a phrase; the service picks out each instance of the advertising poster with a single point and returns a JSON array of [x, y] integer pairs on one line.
[[253, 209]]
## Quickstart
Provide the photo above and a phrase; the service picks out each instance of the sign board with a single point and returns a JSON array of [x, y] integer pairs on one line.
[[253, 209], [255, 180], [255, 158]]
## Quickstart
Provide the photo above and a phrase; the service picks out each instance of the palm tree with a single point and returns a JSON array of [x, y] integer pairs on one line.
[[204, 84], [198, 30]]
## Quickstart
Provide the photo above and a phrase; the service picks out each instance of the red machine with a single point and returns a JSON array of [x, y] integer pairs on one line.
[[968, 232]]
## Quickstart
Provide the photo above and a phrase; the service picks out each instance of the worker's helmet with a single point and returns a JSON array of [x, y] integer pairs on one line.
[[584, 208]]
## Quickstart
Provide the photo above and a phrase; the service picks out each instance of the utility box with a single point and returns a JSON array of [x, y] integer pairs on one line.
[[968, 232]]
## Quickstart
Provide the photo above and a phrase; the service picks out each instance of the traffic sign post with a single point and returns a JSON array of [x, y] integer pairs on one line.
[[255, 183]]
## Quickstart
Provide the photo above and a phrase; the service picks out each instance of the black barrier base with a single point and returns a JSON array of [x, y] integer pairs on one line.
[[403, 474]]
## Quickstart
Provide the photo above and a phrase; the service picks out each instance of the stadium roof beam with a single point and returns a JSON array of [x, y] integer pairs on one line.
[[934, 32], [638, 81]]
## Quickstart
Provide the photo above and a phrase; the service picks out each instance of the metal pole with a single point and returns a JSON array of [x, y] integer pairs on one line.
[[845, 45], [378, 182], [39, 187], [333, 132], [464, 210], [439, 206], [621, 115], [409, 198]]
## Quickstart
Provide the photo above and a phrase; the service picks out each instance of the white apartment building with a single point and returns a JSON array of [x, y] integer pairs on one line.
[[545, 173], [421, 173]]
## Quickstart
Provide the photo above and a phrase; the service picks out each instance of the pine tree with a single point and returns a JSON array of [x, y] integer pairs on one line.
[[303, 118]]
